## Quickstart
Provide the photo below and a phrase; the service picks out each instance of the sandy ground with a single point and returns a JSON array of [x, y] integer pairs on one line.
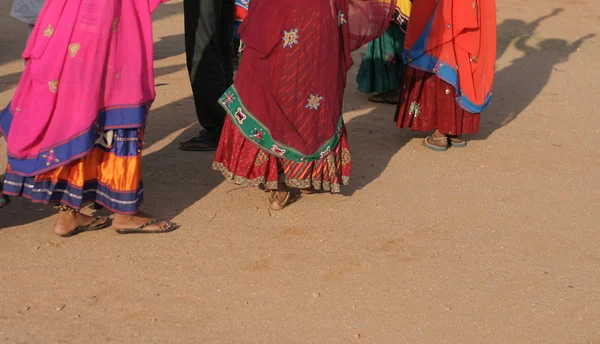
[[496, 243]]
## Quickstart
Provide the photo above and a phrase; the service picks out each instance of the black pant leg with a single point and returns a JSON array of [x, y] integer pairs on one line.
[[208, 56]]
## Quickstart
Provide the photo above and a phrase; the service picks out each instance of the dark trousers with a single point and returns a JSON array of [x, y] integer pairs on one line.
[[208, 48]]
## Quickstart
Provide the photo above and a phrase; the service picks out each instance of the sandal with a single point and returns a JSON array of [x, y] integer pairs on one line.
[[201, 143], [171, 226], [89, 227], [457, 142], [273, 198], [436, 139]]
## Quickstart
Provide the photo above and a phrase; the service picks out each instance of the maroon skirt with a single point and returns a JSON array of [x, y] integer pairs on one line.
[[428, 103], [242, 162]]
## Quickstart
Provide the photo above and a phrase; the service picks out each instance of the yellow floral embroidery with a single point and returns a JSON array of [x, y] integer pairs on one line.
[[261, 158], [115, 22], [331, 164], [346, 158], [74, 49], [53, 85], [49, 31]]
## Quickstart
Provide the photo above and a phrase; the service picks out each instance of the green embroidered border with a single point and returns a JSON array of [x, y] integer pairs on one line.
[[257, 132]]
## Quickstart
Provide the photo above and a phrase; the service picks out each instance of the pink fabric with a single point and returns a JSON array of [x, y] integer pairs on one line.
[[83, 56]]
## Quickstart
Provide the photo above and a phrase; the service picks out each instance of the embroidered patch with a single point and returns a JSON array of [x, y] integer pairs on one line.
[[290, 38], [326, 153], [341, 19], [50, 158], [53, 86], [228, 98], [346, 158], [278, 150], [49, 31], [331, 164], [258, 134], [314, 102], [261, 158], [240, 116], [74, 49], [415, 109]]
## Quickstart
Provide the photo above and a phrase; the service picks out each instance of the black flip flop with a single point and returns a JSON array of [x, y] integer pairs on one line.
[[89, 227], [192, 145], [140, 230]]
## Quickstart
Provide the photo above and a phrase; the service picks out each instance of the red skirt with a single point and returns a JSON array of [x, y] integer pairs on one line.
[[245, 164], [428, 103]]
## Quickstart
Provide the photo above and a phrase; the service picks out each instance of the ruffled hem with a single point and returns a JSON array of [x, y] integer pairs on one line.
[[245, 164], [273, 185]]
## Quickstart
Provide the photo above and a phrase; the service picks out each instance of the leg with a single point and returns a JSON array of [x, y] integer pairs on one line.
[[226, 44], [71, 222], [208, 32]]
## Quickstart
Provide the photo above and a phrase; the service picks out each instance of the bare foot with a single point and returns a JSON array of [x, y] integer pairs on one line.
[[68, 221], [126, 224]]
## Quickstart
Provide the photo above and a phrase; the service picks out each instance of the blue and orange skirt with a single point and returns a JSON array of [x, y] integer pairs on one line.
[[110, 176]]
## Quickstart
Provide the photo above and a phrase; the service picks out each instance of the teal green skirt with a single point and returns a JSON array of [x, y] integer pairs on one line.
[[381, 68]]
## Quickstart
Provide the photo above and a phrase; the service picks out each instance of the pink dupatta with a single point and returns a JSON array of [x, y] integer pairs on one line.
[[89, 69]]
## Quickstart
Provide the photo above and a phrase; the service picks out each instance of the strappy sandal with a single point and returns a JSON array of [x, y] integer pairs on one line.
[[457, 142], [273, 198], [92, 226], [436, 139], [171, 226]]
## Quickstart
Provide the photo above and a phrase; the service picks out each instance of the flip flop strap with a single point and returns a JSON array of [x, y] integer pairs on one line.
[[149, 223]]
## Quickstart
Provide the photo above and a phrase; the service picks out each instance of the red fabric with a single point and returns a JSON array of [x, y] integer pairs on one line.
[[275, 80], [463, 33], [244, 163], [436, 106]]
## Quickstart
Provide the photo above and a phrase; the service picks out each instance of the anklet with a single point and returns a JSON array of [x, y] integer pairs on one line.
[[64, 207]]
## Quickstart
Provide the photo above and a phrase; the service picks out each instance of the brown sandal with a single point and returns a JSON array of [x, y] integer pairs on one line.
[[273, 198], [170, 226]]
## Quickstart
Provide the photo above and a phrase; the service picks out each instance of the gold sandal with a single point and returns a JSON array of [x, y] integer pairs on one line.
[[273, 198]]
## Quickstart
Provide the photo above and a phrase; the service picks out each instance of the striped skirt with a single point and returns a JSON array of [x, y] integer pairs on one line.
[[245, 164]]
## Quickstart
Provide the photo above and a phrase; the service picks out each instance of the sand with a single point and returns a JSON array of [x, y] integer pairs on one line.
[[495, 243]]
